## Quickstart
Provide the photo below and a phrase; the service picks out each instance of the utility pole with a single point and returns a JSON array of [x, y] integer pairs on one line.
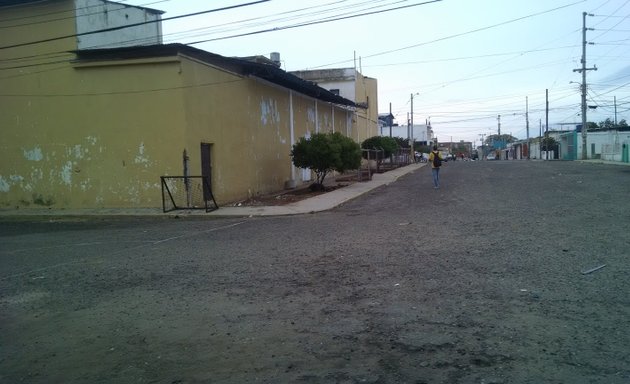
[[546, 124], [408, 127], [615, 100], [540, 136], [499, 125], [527, 123], [412, 154], [391, 118], [583, 71]]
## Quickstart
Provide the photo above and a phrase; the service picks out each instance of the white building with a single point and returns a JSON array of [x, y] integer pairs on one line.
[[421, 132]]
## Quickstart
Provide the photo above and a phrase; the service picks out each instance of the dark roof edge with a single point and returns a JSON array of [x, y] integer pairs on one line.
[[243, 67]]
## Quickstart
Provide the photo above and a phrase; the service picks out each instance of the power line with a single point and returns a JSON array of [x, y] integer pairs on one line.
[[312, 23], [124, 6], [132, 25], [470, 57], [247, 23], [453, 36], [128, 92], [288, 12]]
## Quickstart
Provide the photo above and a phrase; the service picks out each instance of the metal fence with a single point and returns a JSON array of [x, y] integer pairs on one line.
[[187, 192], [378, 163]]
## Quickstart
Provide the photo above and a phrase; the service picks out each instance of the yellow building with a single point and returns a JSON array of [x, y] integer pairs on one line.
[[90, 127], [352, 85]]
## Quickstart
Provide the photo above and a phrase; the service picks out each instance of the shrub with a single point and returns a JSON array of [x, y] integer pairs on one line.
[[387, 144], [350, 153], [326, 152]]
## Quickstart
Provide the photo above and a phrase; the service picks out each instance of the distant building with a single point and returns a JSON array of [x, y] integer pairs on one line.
[[458, 147], [352, 85], [385, 120], [422, 133]]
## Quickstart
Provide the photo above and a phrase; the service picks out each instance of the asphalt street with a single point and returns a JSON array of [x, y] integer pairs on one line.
[[512, 272]]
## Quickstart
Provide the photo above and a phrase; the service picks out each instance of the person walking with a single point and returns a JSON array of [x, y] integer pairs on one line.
[[436, 162]]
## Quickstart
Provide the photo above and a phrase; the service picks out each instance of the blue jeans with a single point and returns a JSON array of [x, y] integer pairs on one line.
[[436, 177]]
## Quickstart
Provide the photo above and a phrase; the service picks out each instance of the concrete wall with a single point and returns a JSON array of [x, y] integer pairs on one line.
[[94, 15], [367, 119], [607, 145], [92, 137], [34, 22], [100, 134], [251, 125]]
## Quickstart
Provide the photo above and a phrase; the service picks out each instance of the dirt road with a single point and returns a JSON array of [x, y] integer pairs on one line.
[[482, 281]]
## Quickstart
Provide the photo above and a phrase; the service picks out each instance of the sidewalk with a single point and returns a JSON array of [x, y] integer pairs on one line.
[[322, 202], [318, 203]]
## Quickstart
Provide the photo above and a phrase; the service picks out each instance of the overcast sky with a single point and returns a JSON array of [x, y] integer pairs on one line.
[[465, 61]]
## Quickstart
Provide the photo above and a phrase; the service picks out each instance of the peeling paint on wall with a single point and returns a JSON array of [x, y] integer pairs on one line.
[[85, 185], [7, 183], [4, 185], [37, 174], [17, 180], [269, 112], [66, 173], [310, 115], [77, 151], [34, 154], [141, 158]]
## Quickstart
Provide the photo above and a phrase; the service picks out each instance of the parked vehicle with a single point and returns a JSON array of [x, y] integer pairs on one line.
[[491, 156]]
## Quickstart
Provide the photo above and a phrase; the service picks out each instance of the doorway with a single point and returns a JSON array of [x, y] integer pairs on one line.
[[206, 169]]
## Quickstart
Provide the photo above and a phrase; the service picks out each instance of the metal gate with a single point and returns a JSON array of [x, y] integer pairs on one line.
[[187, 192]]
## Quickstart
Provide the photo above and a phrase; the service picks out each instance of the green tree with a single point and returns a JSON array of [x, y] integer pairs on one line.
[[607, 124], [324, 153], [350, 153], [402, 143], [549, 143], [389, 145], [610, 124]]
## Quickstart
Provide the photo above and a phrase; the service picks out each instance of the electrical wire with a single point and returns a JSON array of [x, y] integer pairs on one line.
[[73, 16], [131, 25], [452, 36], [140, 41], [126, 92], [312, 23]]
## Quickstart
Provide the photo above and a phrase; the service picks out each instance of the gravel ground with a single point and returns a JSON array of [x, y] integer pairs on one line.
[[482, 281]]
